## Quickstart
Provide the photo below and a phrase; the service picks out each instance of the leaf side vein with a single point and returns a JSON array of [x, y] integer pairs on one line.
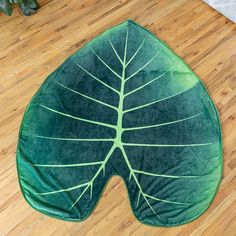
[[78, 118], [67, 165], [166, 145], [163, 124], [143, 66], [149, 82], [113, 48], [94, 77], [86, 96], [75, 139], [115, 73], [134, 55], [157, 101], [166, 176]]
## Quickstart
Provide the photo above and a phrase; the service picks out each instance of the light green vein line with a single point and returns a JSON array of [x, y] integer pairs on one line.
[[146, 84], [162, 200], [75, 139], [115, 73], [95, 176], [161, 124], [88, 97], [143, 66], [97, 79], [77, 118], [115, 50], [69, 165], [160, 100], [80, 196], [165, 176], [166, 145], [64, 189], [136, 180], [135, 53], [125, 50]]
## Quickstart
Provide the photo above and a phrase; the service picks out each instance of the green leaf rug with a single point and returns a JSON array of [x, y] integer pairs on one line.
[[125, 105]]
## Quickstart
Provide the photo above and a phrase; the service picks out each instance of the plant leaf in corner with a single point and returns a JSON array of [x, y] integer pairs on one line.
[[28, 7], [5, 6]]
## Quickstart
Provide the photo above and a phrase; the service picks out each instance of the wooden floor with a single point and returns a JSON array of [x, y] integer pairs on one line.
[[32, 47]]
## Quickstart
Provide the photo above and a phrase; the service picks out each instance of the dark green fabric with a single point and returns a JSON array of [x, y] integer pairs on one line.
[[124, 104]]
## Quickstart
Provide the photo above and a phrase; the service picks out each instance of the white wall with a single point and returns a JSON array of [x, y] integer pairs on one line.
[[225, 7]]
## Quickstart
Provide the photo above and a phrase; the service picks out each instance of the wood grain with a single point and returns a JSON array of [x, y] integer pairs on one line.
[[32, 47]]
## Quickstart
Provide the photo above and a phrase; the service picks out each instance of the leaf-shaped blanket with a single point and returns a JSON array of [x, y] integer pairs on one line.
[[124, 104]]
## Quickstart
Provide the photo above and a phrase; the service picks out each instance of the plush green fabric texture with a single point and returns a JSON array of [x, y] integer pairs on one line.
[[125, 105]]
